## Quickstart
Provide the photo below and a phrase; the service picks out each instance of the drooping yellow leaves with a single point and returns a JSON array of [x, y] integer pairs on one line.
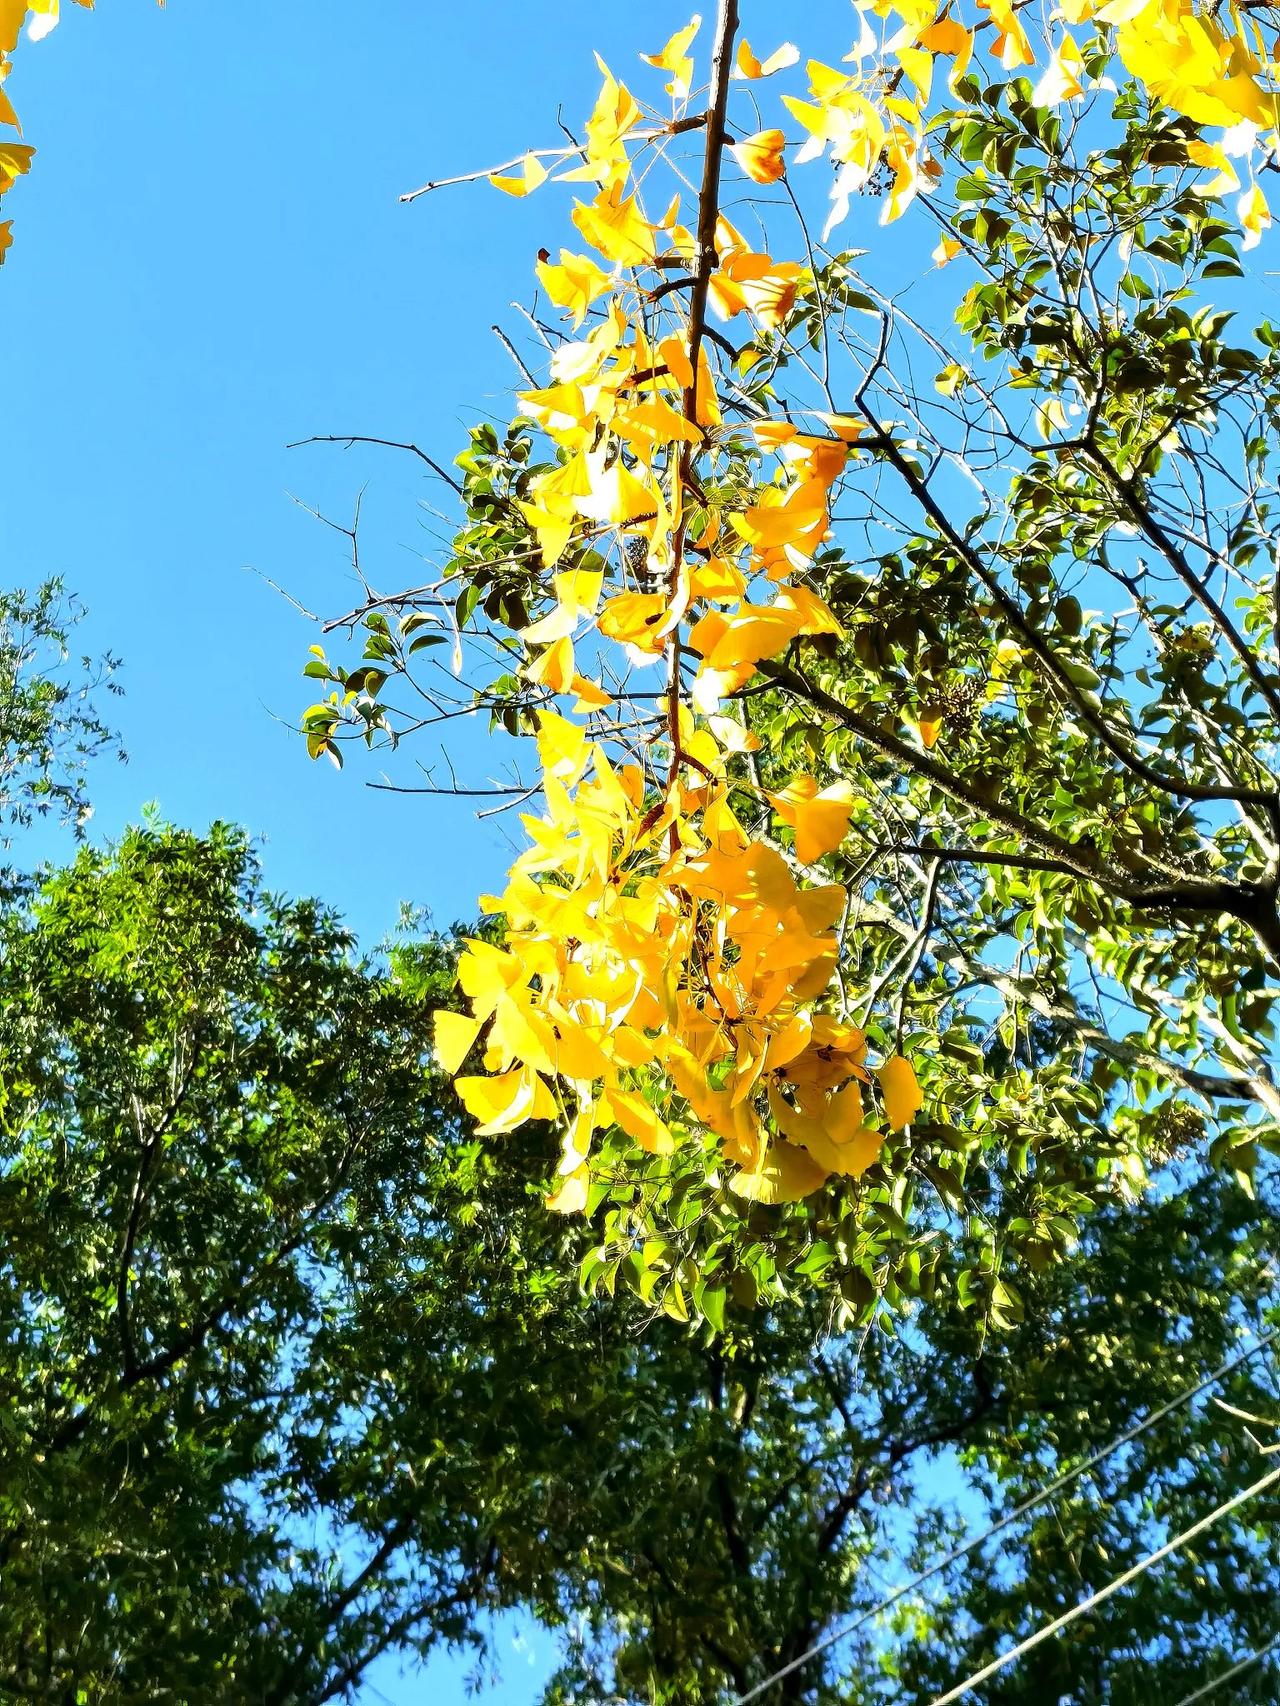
[[615, 115], [784, 1174], [663, 974]]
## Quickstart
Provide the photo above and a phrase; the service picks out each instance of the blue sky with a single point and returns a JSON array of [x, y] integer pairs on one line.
[[210, 261]]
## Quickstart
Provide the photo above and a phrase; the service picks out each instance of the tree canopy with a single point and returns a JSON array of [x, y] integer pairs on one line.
[[883, 1000], [295, 1371], [904, 695]]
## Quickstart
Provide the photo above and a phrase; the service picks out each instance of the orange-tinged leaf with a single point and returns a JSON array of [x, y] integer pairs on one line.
[[750, 67], [590, 695], [760, 156], [930, 724], [902, 1098], [554, 668], [676, 59], [15, 158], [12, 12]]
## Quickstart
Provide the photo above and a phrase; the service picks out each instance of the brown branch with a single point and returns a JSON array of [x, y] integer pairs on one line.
[[1044, 652], [1076, 861], [1127, 489], [706, 262], [350, 438]]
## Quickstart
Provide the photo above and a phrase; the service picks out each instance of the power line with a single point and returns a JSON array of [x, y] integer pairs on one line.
[[1027, 1505], [1103, 1594], [1215, 1683]]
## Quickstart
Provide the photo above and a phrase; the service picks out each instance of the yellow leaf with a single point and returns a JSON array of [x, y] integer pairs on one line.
[[636, 619], [15, 158], [785, 1174], [615, 114], [454, 1033], [1051, 416], [1060, 80], [917, 62], [902, 1098], [947, 250], [571, 1197], [1213, 156], [554, 668], [676, 59], [12, 12], [639, 1121], [614, 225], [533, 174], [574, 284], [486, 973], [951, 380], [616, 495], [503, 1102], [590, 695], [562, 747], [820, 819], [1251, 210]]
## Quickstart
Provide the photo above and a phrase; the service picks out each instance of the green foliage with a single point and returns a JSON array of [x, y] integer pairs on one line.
[[785, 1487], [263, 1376], [293, 1372], [49, 726]]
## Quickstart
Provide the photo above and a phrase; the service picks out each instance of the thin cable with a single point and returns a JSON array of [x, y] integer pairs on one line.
[[1243, 1664], [1103, 1594], [1030, 1504]]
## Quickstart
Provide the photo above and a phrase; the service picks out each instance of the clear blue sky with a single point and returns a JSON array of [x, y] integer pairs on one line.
[[210, 261]]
